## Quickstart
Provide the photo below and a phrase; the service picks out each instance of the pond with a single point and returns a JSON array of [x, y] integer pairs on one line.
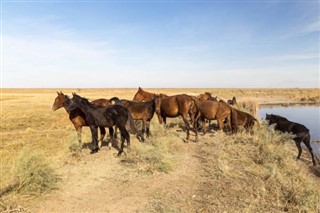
[[308, 115]]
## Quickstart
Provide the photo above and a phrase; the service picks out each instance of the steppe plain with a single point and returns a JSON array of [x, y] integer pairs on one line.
[[43, 170]]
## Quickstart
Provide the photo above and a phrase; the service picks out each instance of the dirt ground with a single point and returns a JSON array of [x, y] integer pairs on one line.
[[102, 183]]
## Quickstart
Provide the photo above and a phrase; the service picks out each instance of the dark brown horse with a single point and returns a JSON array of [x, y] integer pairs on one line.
[[174, 106], [215, 110], [246, 120], [140, 111], [76, 116], [142, 95], [233, 101], [300, 131], [113, 115]]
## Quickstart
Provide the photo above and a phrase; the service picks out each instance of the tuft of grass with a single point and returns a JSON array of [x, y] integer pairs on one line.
[[34, 172], [75, 149], [158, 153]]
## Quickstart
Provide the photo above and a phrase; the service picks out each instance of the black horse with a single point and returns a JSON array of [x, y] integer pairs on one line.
[[300, 131], [113, 115]]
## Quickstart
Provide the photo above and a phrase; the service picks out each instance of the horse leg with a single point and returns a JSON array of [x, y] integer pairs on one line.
[[115, 135], [94, 134], [143, 128], [124, 136], [298, 143], [111, 137], [79, 131], [185, 119], [203, 124], [307, 143], [102, 134], [148, 128], [220, 123]]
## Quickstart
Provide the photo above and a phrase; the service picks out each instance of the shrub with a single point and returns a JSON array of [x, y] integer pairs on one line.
[[34, 172]]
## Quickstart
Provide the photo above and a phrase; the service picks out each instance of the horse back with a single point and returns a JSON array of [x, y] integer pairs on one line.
[[140, 109]]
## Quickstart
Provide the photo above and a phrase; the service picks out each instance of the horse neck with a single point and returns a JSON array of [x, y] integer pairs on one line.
[[83, 107], [66, 104]]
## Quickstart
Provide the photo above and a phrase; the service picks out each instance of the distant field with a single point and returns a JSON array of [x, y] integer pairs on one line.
[[27, 121]]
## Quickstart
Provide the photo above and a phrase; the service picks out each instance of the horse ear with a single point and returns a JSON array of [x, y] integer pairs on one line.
[[58, 93]]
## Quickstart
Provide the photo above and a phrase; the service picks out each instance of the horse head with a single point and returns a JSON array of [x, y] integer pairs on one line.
[[58, 101]]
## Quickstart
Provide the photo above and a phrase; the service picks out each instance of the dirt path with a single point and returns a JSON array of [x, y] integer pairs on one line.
[[101, 183]]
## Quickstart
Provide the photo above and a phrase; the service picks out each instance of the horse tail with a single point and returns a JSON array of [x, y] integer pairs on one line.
[[234, 120], [133, 128], [115, 100], [131, 123], [194, 107], [255, 120]]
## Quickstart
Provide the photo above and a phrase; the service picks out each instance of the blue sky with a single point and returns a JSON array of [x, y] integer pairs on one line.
[[189, 44]]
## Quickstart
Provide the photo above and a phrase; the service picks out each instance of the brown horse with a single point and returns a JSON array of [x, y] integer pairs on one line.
[[246, 120], [233, 101], [174, 106], [140, 111], [142, 95], [101, 102], [76, 116], [215, 110], [207, 96]]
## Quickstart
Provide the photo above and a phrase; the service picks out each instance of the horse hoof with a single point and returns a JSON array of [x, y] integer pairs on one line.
[[94, 151]]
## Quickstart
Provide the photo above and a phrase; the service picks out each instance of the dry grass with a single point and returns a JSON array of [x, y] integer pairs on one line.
[[238, 173], [256, 174]]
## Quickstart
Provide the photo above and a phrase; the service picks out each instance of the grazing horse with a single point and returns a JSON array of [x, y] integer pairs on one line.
[[300, 131], [140, 111], [246, 120], [233, 101], [215, 110], [114, 115], [76, 116], [142, 95], [174, 106]]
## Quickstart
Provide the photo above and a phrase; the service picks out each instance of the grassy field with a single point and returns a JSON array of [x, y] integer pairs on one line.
[[42, 168]]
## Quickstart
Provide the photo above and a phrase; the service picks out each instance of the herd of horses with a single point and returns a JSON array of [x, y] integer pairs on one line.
[[115, 112]]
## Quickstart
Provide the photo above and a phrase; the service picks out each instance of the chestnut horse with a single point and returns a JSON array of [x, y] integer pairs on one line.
[[174, 106], [140, 111], [300, 131], [142, 95], [207, 96], [76, 116], [101, 102], [215, 110], [113, 115]]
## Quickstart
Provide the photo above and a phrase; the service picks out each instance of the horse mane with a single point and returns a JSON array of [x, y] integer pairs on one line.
[[278, 117], [83, 100]]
